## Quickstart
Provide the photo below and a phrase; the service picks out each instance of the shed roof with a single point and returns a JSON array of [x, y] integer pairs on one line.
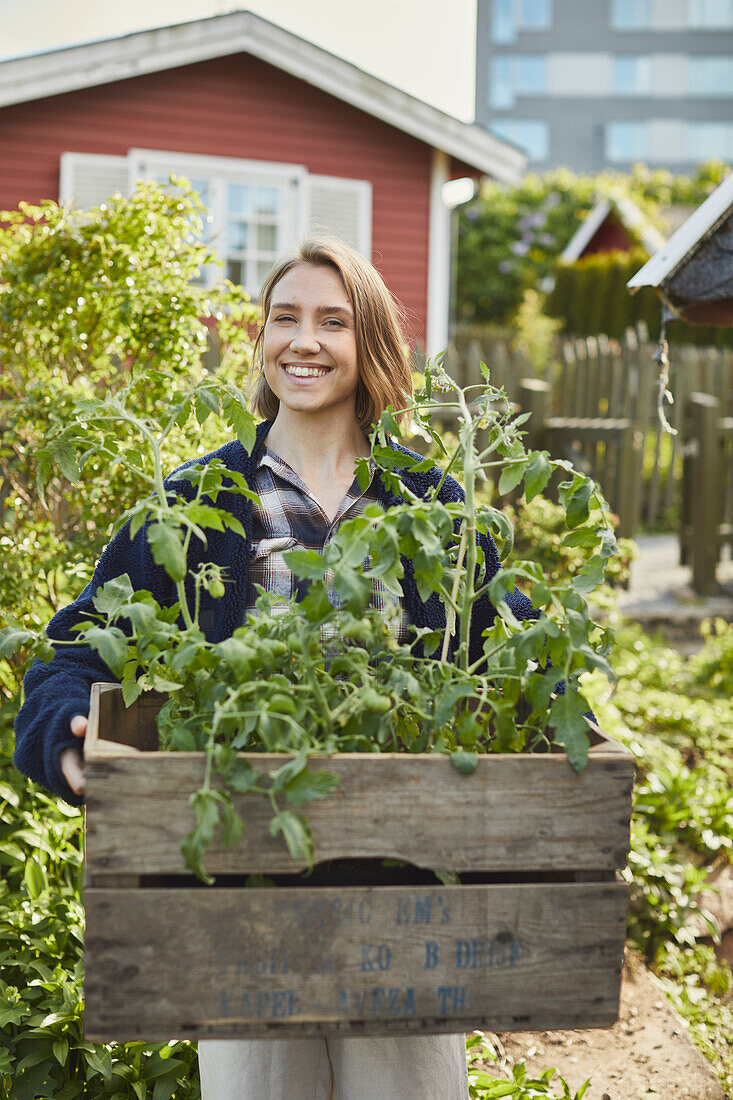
[[688, 239], [89, 64]]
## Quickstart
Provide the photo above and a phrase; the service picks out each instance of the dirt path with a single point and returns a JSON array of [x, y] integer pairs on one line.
[[646, 1055]]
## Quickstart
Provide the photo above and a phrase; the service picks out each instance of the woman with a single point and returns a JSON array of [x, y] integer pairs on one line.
[[331, 355]]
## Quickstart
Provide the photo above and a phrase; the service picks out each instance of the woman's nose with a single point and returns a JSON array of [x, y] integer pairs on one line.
[[305, 338]]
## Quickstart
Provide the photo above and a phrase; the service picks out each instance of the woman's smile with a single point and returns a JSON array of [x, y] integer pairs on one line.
[[305, 370]]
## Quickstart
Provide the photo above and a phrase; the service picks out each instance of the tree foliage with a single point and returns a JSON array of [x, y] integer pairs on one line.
[[510, 238], [87, 301]]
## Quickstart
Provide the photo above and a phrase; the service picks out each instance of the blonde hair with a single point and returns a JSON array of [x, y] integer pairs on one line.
[[383, 356]]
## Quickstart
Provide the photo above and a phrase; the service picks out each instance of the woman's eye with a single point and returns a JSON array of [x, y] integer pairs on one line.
[[334, 321], [284, 317]]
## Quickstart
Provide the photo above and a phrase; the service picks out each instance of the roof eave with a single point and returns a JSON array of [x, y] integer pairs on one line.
[[92, 64], [664, 264]]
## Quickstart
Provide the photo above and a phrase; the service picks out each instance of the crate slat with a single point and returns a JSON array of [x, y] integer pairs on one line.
[[514, 813], [365, 961]]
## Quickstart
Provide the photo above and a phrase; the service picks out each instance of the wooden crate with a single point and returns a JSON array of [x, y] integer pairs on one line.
[[532, 938]]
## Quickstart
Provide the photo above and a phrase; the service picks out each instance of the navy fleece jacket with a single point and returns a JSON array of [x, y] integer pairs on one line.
[[56, 691]]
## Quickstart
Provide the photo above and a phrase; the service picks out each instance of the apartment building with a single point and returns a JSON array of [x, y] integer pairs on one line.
[[596, 84]]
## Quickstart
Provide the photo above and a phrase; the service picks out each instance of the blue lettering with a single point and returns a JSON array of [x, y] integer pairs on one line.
[[422, 909], [431, 955]]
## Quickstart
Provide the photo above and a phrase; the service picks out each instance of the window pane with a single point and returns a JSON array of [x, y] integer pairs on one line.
[[502, 21], [237, 236], [626, 141], [626, 14], [234, 271], [535, 14], [710, 13], [631, 75], [267, 238], [531, 78], [263, 270], [711, 76], [238, 198], [531, 135], [267, 200], [501, 92], [704, 140]]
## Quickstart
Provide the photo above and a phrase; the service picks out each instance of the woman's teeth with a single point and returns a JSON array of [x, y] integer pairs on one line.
[[306, 372]]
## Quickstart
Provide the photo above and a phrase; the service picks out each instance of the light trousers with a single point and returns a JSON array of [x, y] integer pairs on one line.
[[422, 1067]]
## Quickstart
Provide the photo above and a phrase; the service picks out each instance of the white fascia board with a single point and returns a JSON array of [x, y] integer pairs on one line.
[[699, 225], [57, 71]]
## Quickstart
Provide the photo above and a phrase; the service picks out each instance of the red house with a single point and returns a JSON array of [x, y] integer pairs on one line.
[[278, 135]]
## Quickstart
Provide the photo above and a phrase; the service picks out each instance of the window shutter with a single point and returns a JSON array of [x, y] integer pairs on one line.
[[342, 207], [87, 179]]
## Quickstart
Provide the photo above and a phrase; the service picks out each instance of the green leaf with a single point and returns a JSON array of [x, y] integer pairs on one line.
[[34, 877], [588, 576], [538, 474], [65, 459], [13, 639], [307, 785], [576, 501], [511, 475], [241, 420], [296, 832], [464, 762], [448, 878], [165, 1086], [609, 546], [110, 644], [232, 825], [206, 805], [316, 605], [61, 1050], [571, 728], [307, 564], [101, 1063], [112, 595], [166, 544], [583, 536]]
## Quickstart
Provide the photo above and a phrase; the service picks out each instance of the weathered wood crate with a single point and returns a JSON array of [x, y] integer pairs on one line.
[[532, 938]]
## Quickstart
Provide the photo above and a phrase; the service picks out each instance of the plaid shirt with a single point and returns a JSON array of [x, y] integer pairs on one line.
[[288, 517]]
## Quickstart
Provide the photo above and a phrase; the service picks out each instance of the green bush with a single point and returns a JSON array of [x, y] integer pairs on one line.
[[81, 297], [590, 297]]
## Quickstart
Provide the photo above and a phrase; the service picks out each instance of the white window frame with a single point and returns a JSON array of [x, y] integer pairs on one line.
[[220, 171]]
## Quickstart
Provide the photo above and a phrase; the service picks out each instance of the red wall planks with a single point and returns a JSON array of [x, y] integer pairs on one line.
[[236, 106]]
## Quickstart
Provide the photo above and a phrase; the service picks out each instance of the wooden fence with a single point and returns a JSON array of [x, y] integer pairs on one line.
[[598, 405]]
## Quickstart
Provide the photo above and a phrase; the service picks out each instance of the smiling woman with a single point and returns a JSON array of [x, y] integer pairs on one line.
[[330, 357]]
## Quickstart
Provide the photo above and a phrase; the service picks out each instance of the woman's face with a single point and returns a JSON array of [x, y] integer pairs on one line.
[[309, 343]]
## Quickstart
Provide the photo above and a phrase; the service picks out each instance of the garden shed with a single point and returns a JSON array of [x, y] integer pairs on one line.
[[614, 224], [278, 136]]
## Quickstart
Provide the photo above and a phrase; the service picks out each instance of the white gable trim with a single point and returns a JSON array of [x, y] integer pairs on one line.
[[57, 71], [704, 221]]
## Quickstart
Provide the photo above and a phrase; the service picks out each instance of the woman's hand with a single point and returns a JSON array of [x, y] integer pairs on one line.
[[70, 760]]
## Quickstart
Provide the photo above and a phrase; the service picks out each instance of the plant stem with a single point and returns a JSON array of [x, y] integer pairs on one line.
[[450, 624]]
